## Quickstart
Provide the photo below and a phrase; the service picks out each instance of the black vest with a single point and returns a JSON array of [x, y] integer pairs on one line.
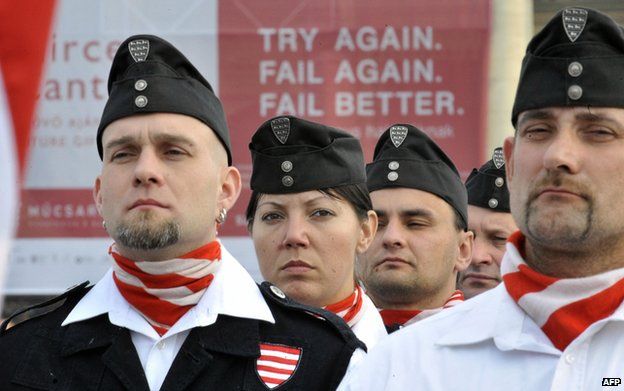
[[96, 355]]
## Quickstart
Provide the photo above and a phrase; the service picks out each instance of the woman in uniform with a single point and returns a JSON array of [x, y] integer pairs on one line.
[[310, 215]]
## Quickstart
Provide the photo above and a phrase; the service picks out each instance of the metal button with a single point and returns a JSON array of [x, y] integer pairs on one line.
[[287, 181], [493, 203], [499, 182], [278, 292], [575, 69], [140, 85], [393, 176], [287, 166], [141, 101], [393, 165], [575, 92]]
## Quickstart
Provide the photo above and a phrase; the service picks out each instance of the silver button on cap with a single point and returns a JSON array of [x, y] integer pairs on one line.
[[140, 85], [287, 181], [141, 101], [575, 69], [393, 165], [575, 92], [287, 166]]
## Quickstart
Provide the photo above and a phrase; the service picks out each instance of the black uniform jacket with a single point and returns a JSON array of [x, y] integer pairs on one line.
[[94, 354]]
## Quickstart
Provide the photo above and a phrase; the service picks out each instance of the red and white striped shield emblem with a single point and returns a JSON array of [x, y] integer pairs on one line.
[[277, 363]]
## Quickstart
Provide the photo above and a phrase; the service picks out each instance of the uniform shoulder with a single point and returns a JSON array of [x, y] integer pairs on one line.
[[276, 298], [45, 311], [469, 312]]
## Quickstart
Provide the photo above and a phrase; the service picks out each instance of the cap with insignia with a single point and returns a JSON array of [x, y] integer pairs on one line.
[[487, 187], [406, 157], [574, 60], [149, 75], [292, 155]]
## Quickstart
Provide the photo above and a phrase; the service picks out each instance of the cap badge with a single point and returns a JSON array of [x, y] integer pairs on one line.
[[574, 20], [281, 129], [398, 135], [498, 158], [139, 49]]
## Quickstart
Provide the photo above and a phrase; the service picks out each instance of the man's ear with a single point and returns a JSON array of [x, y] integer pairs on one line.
[[230, 188], [466, 241], [508, 148], [97, 195]]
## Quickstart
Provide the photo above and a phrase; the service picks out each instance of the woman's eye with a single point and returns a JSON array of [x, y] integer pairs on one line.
[[322, 213], [271, 217]]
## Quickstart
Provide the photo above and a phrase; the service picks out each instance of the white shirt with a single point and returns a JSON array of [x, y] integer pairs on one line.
[[490, 343], [370, 328], [232, 292]]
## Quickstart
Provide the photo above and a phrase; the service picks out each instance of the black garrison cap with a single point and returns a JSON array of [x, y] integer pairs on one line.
[[487, 187], [407, 157], [576, 60], [292, 155], [149, 75]]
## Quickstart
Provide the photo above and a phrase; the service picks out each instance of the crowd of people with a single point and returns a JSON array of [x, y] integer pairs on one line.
[[512, 279]]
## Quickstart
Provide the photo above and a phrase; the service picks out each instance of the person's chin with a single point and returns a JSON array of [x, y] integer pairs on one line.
[[303, 291]]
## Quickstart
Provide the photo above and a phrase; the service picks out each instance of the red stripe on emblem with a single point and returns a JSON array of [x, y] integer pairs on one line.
[[274, 370], [279, 348], [279, 360]]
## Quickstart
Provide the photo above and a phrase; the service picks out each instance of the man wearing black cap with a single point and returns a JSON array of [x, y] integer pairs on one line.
[[556, 321], [176, 310], [490, 220], [410, 270]]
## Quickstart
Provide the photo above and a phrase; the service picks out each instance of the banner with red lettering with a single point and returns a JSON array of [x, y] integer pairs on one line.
[[360, 66]]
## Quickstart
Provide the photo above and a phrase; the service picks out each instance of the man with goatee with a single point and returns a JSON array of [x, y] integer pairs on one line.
[[176, 311], [557, 321]]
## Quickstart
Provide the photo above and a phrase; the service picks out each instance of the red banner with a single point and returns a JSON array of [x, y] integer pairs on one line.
[[357, 65]]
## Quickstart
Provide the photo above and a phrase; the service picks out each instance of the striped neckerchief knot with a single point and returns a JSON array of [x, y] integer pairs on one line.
[[562, 307], [163, 291], [349, 309]]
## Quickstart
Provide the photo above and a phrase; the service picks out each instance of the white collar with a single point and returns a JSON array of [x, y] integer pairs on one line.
[[494, 315], [232, 292]]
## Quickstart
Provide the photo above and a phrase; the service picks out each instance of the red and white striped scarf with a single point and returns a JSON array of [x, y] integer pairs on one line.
[[349, 309], [164, 291], [406, 317], [562, 307]]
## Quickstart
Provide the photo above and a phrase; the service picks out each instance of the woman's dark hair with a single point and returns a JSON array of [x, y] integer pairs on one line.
[[356, 195]]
